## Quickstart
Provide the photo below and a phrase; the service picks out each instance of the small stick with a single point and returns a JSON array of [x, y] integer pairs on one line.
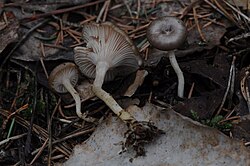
[[242, 36], [41, 60], [138, 8], [55, 46], [139, 28], [106, 11], [60, 11], [226, 13], [74, 135], [128, 8], [213, 6], [197, 24], [239, 12], [191, 91], [73, 36], [12, 138], [228, 86], [101, 12], [231, 118], [39, 152], [24, 107]]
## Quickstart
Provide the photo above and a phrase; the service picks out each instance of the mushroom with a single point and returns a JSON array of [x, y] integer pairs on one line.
[[109, 53], [167, 34], [62, 79]]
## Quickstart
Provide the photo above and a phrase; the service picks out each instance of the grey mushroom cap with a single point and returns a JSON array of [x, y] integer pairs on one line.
[[106, 43], [64, 71], [166, 33]]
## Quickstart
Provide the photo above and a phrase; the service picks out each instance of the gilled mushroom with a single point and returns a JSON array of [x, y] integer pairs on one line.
[[167, 34], [62, 79], [108, 53]]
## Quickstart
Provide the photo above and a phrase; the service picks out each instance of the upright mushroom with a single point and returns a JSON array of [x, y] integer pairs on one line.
[[167, 34], [62, 79], [108, 53]]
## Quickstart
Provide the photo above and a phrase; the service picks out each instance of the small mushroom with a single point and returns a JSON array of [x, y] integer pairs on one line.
[[109, 53], [63, 79], [167, 34]]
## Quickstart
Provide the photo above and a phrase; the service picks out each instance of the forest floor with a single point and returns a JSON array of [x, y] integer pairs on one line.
[[40, 127]]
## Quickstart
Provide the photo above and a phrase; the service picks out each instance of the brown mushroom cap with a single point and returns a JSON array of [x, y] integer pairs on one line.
[[64, 71], [166, 33], [106, 43]]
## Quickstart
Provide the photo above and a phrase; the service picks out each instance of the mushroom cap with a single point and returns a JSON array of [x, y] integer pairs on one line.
[[166, 33], [106, 43], [62, 72]]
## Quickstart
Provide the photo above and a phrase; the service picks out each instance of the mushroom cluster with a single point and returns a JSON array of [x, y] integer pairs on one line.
[[167, 34], [108, 53]]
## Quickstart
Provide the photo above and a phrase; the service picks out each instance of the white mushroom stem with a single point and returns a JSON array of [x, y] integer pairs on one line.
[[113, 105], [76, 97], [179, 73], [101, 69]]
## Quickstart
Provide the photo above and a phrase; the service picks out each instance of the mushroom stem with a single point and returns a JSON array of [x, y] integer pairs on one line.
[[101, 70], [179, 73], [76, 97], [113, 105], [74, 94]]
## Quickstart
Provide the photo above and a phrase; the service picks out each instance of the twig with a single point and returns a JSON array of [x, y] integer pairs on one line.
[[50, 131], [227, 119], [60, 11], [12, 138], [128, 8], [191, 91], [228, 85], [106, 11], [74, 135], [239, 12], [39, 152], [12, 114], [138, 9], [101, 12], [41, 60], [242, 36], [213, 6], [197, 24], [226, 13], [189, 7]]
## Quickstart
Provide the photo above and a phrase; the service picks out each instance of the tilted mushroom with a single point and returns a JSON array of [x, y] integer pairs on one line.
[[167, 34], [108, 53], [62, 79]]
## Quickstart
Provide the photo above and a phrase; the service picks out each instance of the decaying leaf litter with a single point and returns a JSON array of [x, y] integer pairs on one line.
[[39, 36]]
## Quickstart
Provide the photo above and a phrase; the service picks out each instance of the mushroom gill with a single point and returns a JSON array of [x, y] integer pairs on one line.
[[109, 50]]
